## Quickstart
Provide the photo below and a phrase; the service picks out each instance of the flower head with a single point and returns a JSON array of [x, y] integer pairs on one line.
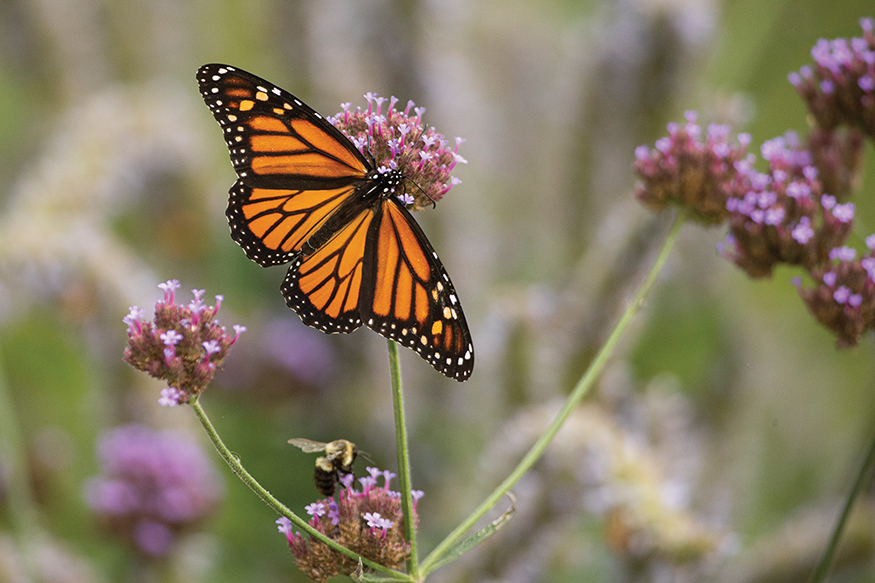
[[690, 169], [152, 486], [367, 522], [398, 140], [782, 216], [184, 345], [840, 88], [843, 297]]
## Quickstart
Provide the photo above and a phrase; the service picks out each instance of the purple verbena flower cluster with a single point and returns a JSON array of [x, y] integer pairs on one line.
[[398, 140], [152, 487], [691, 170], [840, 88], [368, 522], [184, 345], [844, 298], [782, 216], [796, 212]]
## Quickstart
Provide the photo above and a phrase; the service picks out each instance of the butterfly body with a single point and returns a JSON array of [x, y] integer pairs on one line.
[[306, 195]]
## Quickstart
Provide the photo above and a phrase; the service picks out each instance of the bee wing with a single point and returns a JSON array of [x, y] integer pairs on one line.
[[308, 445]]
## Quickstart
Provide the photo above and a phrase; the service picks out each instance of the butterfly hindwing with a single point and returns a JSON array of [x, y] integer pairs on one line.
[[407, 295], [272, 224], [324, 287]]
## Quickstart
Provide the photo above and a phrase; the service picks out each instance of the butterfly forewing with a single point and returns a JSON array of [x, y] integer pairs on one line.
[[275, 140], [306, 195]]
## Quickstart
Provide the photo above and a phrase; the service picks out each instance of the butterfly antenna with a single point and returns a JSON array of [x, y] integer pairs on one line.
[[371, 154], [433, 201]]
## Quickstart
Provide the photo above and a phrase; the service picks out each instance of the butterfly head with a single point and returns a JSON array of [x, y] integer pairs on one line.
[[397, 141]]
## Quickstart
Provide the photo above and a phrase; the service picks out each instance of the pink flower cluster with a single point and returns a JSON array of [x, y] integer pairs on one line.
[[691, 170], [184, 345], [843, 298], [840, 88], [366, 521], [796, 212], [783, 216], [397, 140]]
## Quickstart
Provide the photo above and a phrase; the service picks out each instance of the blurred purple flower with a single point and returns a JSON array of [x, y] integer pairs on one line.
[[308, 356], [839, 88], [843, 297], [152, 487], [781, 216], [687, 170]]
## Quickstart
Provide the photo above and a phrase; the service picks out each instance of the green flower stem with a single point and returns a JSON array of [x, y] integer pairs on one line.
[[403, 459], [268, 498], [23, 512], [826, 560], [580, 390]]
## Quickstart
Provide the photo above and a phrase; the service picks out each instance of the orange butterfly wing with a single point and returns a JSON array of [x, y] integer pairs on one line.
[[382, 270], [409, 297], [305, 194], [274, 138], [294, 168], [271, 225], [324, 286]]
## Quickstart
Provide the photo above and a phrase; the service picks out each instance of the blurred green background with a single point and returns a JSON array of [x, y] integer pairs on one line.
[[720, 441]]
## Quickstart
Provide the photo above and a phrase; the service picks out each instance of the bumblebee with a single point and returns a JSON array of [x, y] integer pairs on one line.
[[337, 461]]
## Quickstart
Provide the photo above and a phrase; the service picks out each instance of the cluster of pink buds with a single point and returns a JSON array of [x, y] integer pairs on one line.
[[783, 216], [843, 298], [839, 88], [184, 345], [797, 211], [367, 521], [690, 170], [397, 140]]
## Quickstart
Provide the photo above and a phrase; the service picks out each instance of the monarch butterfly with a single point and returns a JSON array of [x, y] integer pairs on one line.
[[305, 194]]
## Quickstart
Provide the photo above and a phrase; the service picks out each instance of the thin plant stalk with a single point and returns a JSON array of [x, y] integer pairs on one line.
[[823, 566], [581, 389], [23, 512], [268, 498], [403, 459]]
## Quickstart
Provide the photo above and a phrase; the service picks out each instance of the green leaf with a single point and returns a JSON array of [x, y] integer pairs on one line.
[[468, 543]]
